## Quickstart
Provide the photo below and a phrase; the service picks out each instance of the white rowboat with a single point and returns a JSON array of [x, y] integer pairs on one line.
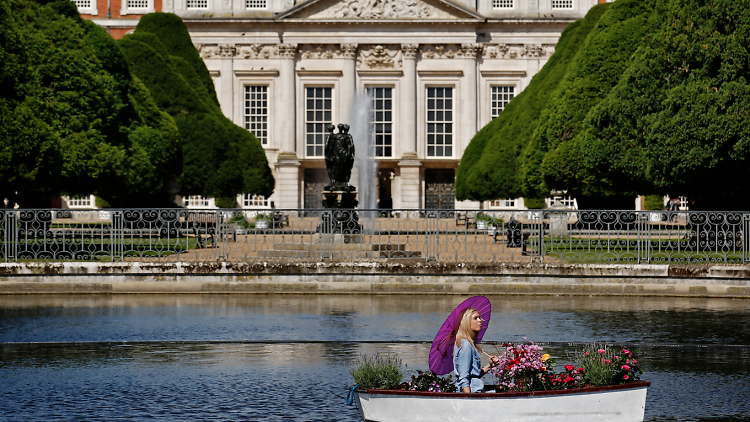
[[617, 403]]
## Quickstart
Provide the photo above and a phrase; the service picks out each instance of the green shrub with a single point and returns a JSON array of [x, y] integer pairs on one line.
[[534, 203], [226, 202], [380, 371], [654, 202]]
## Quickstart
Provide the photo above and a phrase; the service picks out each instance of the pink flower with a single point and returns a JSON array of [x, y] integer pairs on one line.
[[601, 351], [634, 361], [626, 367], [617, 357], [627, 361], [586, 354], [625, 377]]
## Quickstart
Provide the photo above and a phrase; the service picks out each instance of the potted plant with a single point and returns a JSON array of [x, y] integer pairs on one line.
[[262, 221]]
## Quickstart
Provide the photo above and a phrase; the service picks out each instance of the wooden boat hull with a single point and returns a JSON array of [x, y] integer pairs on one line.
[[620, 403]]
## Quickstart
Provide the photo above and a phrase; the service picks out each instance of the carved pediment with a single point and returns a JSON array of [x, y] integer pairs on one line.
[[380, 9]]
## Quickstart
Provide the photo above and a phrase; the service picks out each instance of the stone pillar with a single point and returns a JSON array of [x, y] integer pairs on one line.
[[226, 86], [288, 182], [348, 84], [287, 163], [409, 189], [287, 112], [411, 195], [468, 110], [408, 116]]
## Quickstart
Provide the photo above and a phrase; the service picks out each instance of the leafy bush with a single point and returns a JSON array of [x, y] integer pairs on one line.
[[534, 203], [430, 381], [380, 371], [654, 202], [226, 202]]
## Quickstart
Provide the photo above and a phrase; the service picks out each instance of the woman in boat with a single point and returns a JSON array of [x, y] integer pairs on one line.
[[466, 362]]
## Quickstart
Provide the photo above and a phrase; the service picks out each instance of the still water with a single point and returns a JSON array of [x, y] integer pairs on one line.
[[285, 357]]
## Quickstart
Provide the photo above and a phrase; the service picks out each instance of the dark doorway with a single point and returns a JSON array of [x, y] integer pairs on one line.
[[315, 180], [385, 198], [440, 189]]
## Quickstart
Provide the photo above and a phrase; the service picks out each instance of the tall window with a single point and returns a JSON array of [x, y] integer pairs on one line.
[[440, 122], [501, 96], [197, 4], [562, 4], [138, 4], [255, 4], [382, 120], [256, 111], [318, 115], [502, 4]]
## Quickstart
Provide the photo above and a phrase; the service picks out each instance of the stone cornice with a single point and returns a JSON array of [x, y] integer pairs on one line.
[[433, 73], [490, 73], [259, 72], [319, 72]]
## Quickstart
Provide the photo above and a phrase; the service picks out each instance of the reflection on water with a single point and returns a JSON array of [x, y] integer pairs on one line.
[[354, 317], [702, 380]]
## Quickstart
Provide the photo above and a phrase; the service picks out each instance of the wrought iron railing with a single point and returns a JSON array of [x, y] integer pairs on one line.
[[477, 236]]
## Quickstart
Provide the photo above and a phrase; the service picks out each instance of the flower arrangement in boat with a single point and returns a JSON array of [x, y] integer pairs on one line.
[[525, 367], [430, 381], [606, 365]]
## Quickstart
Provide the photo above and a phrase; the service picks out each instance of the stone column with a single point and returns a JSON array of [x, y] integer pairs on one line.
[[409, 186], [226, 86], [287, 164], [408, 116], [287, 102], [468, 110], [348, 84]]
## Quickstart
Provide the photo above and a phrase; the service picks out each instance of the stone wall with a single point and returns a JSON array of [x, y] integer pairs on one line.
[[375, 278]]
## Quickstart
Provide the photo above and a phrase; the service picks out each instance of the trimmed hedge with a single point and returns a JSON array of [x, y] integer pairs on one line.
[[68, 121], [654, 100], [220, 159]]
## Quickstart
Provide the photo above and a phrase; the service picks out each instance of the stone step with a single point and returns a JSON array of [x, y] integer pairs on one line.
[[336, 256]]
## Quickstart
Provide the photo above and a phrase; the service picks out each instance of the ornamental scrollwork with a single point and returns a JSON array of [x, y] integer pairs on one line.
[[381, 9], [378, 57]]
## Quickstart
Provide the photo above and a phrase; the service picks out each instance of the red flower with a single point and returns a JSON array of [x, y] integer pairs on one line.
[[625, 377], [569, 379], [569, 367]]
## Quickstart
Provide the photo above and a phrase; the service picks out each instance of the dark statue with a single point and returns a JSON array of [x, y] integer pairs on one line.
[[340, 198], [339, 153]]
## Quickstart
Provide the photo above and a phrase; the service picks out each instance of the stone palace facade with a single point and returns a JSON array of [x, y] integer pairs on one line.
[[436, 72]]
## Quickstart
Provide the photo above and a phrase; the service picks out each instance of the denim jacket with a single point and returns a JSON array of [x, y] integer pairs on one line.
[[467, 367]]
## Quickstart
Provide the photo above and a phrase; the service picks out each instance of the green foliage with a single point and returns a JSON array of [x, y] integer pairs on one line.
[[380, 371], [653, 97], [219, 158], [226, 202], [534, 203], [654, 202], [69, 125]]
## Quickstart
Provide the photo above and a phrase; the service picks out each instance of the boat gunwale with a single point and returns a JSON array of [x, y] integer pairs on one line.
[[627, 386]]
